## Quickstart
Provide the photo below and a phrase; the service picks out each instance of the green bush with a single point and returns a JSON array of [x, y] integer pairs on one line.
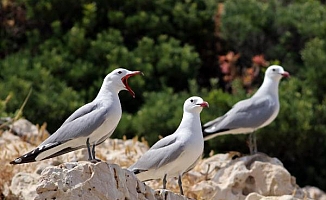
[[50, 97]]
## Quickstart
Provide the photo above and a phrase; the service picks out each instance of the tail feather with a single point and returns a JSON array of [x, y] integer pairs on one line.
[[31, 156]]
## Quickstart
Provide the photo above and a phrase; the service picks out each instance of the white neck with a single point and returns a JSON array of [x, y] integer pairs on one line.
[[108, 91], [190, 121], [269, 87]]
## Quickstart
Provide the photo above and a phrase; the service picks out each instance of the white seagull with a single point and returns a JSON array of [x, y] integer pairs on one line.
[[248, 115], [177, 153], [90, 125]]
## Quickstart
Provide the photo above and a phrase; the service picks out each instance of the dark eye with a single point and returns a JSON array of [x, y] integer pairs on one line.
[[191, 100], [119, 72], [274, 70]]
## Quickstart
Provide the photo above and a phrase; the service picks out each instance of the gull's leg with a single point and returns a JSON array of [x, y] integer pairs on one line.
[[94, 160], [164, 182], [93, 151], [90, 157], [91, 154], [180, 185], [252, 143]]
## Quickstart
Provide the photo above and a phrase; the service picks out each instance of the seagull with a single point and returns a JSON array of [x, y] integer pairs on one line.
[[90, 125], [248, 115], [176, 154]]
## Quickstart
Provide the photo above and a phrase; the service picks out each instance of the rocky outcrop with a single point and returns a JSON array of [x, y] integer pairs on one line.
[[252, 177], [85, 180], [315, 193], [255, 196], [221, 176]]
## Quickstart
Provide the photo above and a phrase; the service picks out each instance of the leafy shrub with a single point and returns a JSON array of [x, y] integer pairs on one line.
[[50, 98]]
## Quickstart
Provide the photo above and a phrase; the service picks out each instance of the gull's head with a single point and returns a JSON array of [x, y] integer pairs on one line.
[[276, 72], [194, 104], [119, 79]]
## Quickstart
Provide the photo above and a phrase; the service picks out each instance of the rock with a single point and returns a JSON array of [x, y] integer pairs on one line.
[[203, 190], [255, 174], [255, 196], [315, 193], [23, 185], [95, 181], [11, 146], [28, 131]]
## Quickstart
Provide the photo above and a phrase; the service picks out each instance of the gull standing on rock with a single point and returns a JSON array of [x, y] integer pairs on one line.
[[88, 126], [178, 153], [248, 115]]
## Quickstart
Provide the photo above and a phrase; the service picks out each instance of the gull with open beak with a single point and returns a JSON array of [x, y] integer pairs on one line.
[[88, 126]]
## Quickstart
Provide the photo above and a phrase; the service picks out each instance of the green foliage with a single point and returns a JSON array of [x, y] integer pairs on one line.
[[50, 97], [274, 28], [314, 58], [3, 105], [252, 24]]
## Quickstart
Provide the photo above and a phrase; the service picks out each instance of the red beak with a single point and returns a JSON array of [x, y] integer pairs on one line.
[[125, 81], [286, 74], [204, 104]]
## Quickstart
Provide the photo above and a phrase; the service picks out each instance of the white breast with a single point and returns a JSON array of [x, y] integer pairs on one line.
[[107, 127]]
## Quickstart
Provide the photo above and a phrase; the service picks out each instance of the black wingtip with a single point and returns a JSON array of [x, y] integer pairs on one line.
[[13, 162], [27, 158], [30, 156]]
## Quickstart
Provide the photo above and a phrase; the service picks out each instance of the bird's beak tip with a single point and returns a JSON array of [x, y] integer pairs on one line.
[[286, 74]]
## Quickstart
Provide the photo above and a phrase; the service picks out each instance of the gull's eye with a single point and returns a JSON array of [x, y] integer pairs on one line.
[[274, 70], [191, 100], [119, 72]]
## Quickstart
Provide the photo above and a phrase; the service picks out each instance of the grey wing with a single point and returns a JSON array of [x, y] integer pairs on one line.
[[215, 121], [78, 125], [87, 108], [249, 113], [161, 153]]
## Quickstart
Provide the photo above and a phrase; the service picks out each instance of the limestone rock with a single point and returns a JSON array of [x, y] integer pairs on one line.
[[315, 193], [28, 131], [95, 181], [255, 174], [23, 185], [255, 196]]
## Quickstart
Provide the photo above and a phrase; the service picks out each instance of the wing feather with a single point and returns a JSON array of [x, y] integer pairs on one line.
[[161, 153], [249, 113], [80, 124]]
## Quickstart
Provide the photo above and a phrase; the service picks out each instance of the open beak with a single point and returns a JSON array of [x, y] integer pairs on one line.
[[204, 104], [125, 81], [285, 74]]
